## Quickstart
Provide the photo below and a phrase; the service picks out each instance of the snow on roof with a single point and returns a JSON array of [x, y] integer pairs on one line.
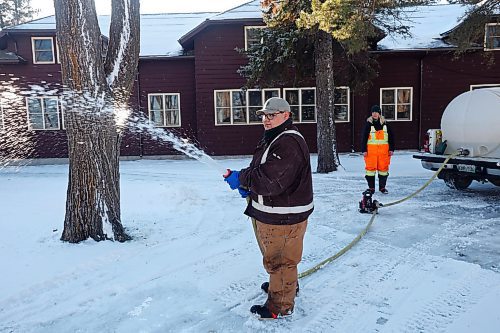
[[427, 23], [249, 10], [159, 32]]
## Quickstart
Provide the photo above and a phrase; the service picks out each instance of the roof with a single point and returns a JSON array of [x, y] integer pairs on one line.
[[427, 24], [249, 11], [9, 57], [159, 32]]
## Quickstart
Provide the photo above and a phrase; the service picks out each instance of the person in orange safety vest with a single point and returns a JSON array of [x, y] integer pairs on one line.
[[377, 145]]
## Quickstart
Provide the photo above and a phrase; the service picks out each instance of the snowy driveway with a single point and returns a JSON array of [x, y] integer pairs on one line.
[[431, 264]]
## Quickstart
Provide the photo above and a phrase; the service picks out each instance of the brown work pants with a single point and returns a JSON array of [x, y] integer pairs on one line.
[[282, 247]]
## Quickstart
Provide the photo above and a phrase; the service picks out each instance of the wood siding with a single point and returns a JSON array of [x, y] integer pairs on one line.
[[435, 76], [164, 75]]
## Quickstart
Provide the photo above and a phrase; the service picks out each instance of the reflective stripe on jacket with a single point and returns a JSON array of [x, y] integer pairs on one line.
[[380, 137]]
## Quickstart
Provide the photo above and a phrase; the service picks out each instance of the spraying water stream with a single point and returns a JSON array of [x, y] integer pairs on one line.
[[18, 142]]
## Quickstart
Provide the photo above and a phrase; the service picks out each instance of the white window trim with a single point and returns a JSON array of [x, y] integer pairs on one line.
[[249, 27], [43, 114], [348, 105], [164, 108], [300, 104], [486, 48], [487, 85], [263, 101], [231, 108], [34, 53], [247, 106], [396, 102]]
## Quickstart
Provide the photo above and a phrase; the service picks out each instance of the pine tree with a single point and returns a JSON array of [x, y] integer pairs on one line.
[[335, 31], [14, 12]]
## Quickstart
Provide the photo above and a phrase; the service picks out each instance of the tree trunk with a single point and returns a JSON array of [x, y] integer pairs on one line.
[[327, 142], [91, 97]]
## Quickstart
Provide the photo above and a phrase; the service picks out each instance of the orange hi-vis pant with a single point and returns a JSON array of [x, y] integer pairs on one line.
[[377, 157]]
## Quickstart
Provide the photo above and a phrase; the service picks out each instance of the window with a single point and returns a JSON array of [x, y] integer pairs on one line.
[[302, 103], [252, 37], [256, 100], [341, 104], [480, 86], [396, 103], [492, 36], [43, 50], [164, 109], [43, 113], [230, 106], [239, 106]]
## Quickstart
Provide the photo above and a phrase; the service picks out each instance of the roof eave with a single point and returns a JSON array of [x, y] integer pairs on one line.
[[11, 61], [435, 49]]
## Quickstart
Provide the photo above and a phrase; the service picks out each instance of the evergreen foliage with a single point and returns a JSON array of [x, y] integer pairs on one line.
[[14, 12], [288, 56], [470, 32]]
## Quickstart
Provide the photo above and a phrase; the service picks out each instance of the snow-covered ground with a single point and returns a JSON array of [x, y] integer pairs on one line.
[[430, 264]]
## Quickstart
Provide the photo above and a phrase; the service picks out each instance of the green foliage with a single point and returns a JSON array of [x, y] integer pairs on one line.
[[356, 26], [13, 12], [355, 23], [285, 56]]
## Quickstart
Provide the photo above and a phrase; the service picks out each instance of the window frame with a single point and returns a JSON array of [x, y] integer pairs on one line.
[[43, 113], [300, 105], [396, 102], [33, 50], [486, 85], [348, 105], [487, 38], [247, 106], [165, 109], [250, 27], [262, 101]]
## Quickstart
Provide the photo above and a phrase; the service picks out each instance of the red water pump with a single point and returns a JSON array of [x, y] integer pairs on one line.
[[367, 204]]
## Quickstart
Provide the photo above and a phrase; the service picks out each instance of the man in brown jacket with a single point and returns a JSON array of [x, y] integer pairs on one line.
[[279, 183]]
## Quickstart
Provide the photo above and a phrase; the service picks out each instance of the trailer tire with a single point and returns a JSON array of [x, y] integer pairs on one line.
[[494, 181], [457, 182]]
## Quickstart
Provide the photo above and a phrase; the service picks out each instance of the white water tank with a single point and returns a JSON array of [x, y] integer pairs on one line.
[[472, 121]]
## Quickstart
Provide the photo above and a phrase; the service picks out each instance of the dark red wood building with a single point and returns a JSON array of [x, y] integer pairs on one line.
[[188, 83]]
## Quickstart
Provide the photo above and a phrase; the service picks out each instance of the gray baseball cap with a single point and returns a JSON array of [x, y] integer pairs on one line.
[[273, 105]]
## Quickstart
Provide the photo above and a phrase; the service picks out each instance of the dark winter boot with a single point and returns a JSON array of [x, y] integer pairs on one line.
[[382, 181], [263, 312], [265, 287], [371, 183]]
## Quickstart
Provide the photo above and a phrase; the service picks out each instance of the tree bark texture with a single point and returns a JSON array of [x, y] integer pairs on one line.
[[327, 141], [89, 102]]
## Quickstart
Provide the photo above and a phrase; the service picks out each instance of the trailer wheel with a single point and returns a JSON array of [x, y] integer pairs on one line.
[[494, 181], [457, 182]]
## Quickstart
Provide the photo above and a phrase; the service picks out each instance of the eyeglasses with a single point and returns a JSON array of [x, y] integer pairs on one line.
[[270, 116]]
